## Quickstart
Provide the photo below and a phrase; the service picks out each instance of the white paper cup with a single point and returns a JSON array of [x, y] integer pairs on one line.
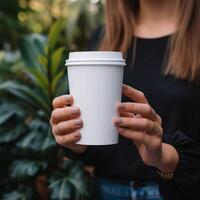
[[95, 81]]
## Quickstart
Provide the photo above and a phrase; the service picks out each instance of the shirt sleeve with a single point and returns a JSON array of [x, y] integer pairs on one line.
[[186, 180]]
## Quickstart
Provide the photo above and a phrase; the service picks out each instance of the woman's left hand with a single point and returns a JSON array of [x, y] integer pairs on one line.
[[139, 122]]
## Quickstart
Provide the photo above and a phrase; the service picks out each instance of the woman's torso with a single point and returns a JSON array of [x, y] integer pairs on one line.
[[176, 101]]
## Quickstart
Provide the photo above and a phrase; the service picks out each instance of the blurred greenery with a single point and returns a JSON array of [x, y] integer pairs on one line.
[[18, 17], [36, 37]]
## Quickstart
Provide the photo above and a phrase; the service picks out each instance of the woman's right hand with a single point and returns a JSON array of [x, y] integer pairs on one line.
[[66, 122]]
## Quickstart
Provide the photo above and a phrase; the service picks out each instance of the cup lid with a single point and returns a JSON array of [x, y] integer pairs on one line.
[[95, 57]]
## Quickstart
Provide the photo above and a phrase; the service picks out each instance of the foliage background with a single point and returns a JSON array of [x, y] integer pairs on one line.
[[35, 39]]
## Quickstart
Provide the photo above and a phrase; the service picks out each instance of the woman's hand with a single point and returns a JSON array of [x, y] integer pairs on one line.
[[140, 123], [65, 122]]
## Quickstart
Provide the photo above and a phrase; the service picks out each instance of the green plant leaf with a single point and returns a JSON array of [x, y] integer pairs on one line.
[[48, 142], [10, 129], [55, 32], [21, 192], [14, 195], [26, 94], [14, 88], [71, 179], [7, 110], [10, 134], [22, 169], [82, 184], [6, 115], [38, 139], [76, 177], [39, 125], [39, 79], [56, 80], [60, 188], [62, 87], [30, 95], [31, 47], [56, 59], [43, 60]]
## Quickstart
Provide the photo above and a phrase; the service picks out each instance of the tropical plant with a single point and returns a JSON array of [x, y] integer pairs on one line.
[[26, 16], [32, 166]]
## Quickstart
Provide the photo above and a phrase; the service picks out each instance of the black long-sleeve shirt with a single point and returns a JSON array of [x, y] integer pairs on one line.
[[178, 104]]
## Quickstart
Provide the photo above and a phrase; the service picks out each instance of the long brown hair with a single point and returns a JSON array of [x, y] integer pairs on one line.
[[184, 46]]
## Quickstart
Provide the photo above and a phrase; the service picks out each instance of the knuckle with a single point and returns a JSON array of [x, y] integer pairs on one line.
[[159, 119], [53, 130], [147, 123], [60, 140], [142, 95], [131, 106], [129, 121], [149, 110], [58, 128], [161, 130], [54, 114]]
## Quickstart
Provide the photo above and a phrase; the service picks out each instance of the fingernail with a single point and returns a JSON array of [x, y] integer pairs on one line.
[[75, 110], [118, 121], [121, 106], [78, 122], [77, 134], [124, 86], [67, 97]]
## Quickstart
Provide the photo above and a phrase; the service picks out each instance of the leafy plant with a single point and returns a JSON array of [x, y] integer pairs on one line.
[[18, 17], [25, 134]]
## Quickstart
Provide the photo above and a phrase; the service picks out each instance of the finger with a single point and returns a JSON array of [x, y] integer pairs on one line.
[[67, 126], [126, 114], [64, 114], [138, 108], [62, 101], [159, 120], [156, 129], [136, 124], [133, 94], [136, 136], [140, 138], [68, 139]]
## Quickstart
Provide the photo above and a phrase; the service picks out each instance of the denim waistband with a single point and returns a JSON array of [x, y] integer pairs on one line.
[[128, 189]]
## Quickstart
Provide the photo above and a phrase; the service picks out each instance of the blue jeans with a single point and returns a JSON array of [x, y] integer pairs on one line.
[[115, 190]]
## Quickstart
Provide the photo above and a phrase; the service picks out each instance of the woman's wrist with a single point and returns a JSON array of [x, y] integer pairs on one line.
[[168, 160]]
